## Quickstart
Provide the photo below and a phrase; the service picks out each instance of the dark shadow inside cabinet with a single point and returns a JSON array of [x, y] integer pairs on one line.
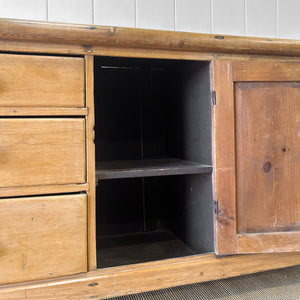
[[153, 159]]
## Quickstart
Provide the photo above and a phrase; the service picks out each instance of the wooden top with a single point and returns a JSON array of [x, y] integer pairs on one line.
[[97, 36]]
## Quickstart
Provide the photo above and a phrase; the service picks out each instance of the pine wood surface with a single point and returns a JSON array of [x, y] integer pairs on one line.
[[90, 152], [268, 242], [43, 189], [89, 36], [42, 151], [250, 57], [41, 81], [42, 237], [268, 156], [266, 70], [224, 158], [18, 111], [112, 282]]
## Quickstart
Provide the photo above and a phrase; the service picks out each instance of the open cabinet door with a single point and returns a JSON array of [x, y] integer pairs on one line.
[[257, 156]]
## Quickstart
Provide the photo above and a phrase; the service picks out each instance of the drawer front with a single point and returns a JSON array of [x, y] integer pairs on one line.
[[42, 237], [46, 151], [41, 81]]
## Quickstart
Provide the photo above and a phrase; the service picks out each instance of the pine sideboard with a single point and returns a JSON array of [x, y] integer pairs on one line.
[[134, 160]]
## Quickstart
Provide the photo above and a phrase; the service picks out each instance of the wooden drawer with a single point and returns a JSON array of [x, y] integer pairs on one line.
[[41, 81], [42, 151], [42, 237]]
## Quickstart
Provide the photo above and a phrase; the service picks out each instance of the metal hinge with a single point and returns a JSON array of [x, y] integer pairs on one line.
[[94, 136], [213, 98], [216, 204]]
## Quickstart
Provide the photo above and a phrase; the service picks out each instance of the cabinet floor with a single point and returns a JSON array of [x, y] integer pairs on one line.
[[134, 248]]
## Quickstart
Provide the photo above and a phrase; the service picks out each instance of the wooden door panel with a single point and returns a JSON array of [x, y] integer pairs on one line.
[[42, 151], [263, 215], [42, 237], [268, 156]]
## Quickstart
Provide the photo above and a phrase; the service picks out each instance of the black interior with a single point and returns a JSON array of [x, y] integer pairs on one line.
[[153, 109]]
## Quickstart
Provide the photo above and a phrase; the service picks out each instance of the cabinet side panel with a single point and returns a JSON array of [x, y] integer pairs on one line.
[[190, 138], [91, 168]]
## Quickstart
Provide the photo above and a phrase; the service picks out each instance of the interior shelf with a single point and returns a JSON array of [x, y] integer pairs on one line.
[[148, 167]]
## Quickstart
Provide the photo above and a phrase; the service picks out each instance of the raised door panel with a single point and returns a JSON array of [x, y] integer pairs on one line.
[[268, 156], [41, 81], [42, 237], [265, 208], [36, 151]]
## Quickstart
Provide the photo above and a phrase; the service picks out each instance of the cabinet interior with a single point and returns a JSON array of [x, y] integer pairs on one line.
[[153, 136]]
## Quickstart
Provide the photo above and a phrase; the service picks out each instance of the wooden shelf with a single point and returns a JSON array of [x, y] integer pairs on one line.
[[148, 167]]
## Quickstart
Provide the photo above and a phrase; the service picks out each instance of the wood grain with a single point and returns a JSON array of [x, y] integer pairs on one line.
[[35, 151], [89, 36], [268, 242], [41, 81], [224, 158], [35, 47], [113, 282], [42, 237], [43, 189], [268, 156], [91, 168], [42, 111], [252, 70]]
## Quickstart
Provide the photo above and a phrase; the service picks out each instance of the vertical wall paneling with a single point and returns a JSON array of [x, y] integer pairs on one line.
[[192, 15], [114, 12], [261, 18], [155, 14], [288, 19], [70, 11], [20, 9], [228, 17]]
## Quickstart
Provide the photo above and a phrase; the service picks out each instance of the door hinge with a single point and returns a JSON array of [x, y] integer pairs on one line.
[[94, 136], [213, 98], [216, 204]]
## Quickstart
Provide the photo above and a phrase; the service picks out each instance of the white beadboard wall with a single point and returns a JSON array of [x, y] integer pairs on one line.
[[261, 18]]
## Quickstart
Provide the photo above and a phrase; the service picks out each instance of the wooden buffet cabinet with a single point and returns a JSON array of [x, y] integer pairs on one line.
[[133, 160]]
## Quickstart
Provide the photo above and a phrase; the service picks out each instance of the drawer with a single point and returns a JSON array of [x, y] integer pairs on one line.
[[41, 81], [42, 237], [42, 151]]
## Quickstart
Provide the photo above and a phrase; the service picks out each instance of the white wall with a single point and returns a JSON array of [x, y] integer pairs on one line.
[[265, 18]]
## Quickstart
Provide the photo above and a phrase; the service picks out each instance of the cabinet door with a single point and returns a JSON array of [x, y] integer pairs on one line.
[[257, 156], [42, 237]]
